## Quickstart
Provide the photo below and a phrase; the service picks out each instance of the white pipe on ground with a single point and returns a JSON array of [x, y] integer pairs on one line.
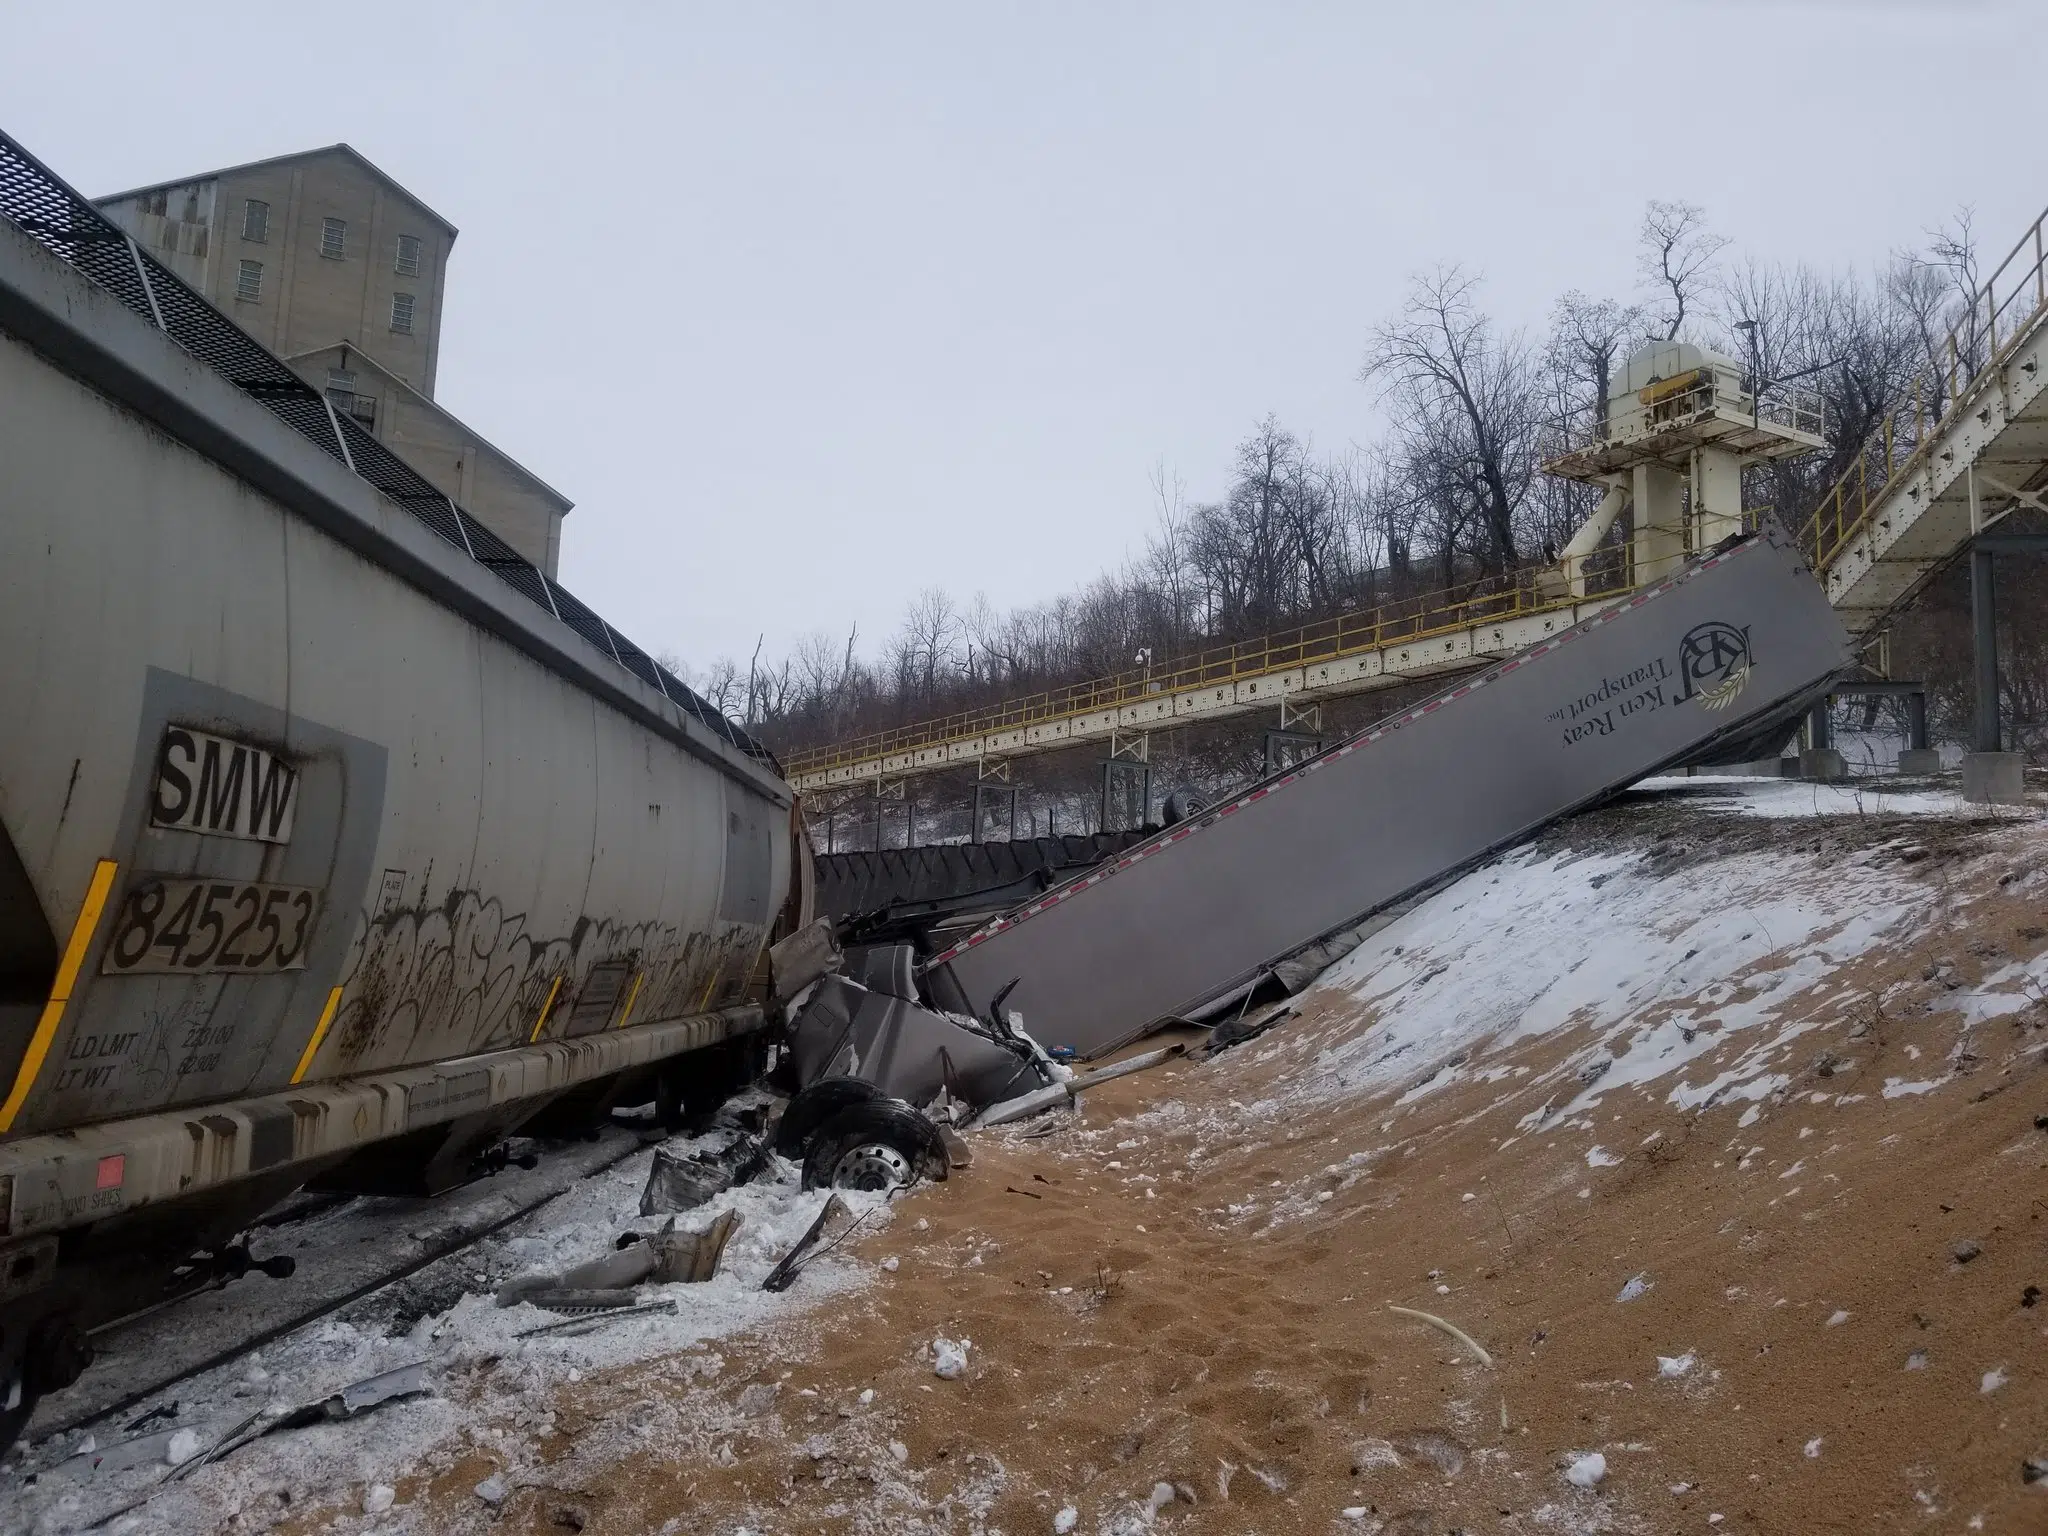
[[1029, 1104]]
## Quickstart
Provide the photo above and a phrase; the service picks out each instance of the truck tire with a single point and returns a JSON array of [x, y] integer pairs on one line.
[[814, 1106], [880, 1146]]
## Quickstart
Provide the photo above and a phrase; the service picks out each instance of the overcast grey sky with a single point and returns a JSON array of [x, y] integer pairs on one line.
[[810, 306]]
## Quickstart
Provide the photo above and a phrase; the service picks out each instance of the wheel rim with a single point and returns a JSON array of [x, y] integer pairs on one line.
[[872, 1165]]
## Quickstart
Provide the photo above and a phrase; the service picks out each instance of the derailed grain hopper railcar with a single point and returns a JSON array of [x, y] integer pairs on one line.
[[338, 841]]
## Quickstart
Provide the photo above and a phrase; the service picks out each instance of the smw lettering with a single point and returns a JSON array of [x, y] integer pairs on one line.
[[208, 784]]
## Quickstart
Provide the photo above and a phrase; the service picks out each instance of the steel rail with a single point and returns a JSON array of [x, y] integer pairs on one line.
[[83, 1417]]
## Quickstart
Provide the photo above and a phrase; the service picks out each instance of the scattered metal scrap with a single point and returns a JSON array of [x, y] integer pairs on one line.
[[357, 1398], [609, 1283], [682, 1182], [838, 1214], [569, 1325]]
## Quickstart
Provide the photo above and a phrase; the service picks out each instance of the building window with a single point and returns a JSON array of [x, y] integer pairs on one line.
[[401, 313], [409, 255], [255, 221], [249, 282], [343, 379], [334, 238]]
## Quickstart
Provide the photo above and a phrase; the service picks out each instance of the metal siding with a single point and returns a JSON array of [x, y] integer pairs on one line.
[[141, 582]]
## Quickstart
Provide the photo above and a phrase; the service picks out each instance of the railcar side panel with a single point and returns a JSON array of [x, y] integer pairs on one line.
[[351, 829]]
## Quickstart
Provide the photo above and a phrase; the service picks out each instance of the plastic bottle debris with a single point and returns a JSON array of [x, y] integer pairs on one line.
[[949, 1360], [1636, 1288], [1587, 1471]]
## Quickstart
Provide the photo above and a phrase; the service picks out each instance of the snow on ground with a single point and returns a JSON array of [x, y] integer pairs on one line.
[[489, 1388], [1697, 975], [1787, 798]]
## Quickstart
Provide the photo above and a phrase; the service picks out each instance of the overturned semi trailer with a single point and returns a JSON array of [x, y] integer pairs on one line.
[[1700, 668], [336, 841]]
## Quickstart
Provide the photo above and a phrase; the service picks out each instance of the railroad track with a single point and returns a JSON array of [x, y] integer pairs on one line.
[[347, 1249]]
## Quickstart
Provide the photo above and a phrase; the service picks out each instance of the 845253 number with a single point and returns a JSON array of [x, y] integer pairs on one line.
[[169, 926]]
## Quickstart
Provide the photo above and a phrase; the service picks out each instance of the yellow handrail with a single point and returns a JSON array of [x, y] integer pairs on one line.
[[1531, 590], [1847, 506]]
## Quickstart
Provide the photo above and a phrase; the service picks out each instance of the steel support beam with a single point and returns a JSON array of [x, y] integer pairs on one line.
[[1820, 731], [1984, 629]]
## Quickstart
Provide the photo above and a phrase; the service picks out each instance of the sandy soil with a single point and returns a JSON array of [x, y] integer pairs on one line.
[[1188, 1284]]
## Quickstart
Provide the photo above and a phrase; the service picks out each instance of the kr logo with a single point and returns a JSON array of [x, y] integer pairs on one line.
[[1714, 662]]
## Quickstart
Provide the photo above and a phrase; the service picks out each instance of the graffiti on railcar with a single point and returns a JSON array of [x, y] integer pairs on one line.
[[466, 975]]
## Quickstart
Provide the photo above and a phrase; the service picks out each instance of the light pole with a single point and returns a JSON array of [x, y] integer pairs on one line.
[[1756, 382]]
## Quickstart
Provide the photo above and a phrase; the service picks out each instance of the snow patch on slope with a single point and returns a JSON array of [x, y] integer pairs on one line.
[[1660, 970]]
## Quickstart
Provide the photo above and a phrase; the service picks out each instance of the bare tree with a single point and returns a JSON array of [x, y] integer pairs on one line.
[[1942, 283], [1586, 335], [1166, 554], [721, 686], [929, 641], [1676, 256], [1465, 407]]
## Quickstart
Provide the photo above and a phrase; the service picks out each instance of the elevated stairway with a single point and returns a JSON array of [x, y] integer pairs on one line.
[[1969, 447]]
